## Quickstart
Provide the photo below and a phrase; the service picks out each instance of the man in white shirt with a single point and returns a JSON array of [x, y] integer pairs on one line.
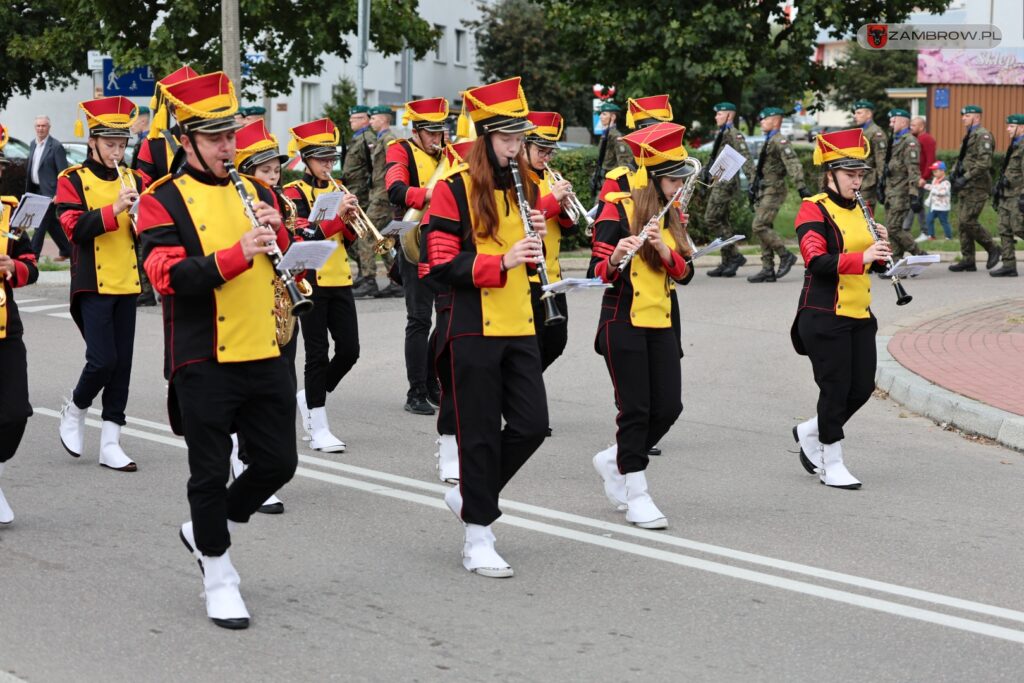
[[46, 159]]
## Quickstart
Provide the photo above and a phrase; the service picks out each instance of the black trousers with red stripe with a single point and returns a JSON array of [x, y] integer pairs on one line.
[[495, 378], [550, 338], [333, 316], [644, 367], [843, 355], [14, 406]]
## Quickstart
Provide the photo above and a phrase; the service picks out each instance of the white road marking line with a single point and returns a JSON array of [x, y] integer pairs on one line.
[[37, 309], [66, 316], [21, 301], [653, 553]]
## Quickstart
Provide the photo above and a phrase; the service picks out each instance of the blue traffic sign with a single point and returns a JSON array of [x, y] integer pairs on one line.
[[138, 82], [942, 98]]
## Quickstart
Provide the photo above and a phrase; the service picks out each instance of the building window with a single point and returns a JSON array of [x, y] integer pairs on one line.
[[460, 46], [310, 105], [440, 50]]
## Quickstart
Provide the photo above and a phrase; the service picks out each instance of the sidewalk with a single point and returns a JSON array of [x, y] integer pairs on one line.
[[964, 368]]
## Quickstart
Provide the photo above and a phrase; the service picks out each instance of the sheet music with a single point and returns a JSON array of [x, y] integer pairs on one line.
[[311, 255], [728, 164], [325, 207], [30, 212], [715, 246], [398, 228], [912, 266], [571, 283]]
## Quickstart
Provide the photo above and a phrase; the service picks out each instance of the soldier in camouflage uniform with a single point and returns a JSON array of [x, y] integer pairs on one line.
[[863, 116], [357, 174], [380, 211], [972, 184], [768, 192], [616, 152], [901, 176], [1008, 197], [719, 201]]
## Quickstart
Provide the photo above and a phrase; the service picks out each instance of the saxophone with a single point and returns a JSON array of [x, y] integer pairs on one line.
[[284, 317]]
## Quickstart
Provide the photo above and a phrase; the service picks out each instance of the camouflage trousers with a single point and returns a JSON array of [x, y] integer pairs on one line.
[[971, 204], [716, 218], [765, 211], [1011, 226], [900, 240]]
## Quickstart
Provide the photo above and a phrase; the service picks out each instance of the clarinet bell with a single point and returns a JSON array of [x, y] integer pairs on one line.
[[902, 298]]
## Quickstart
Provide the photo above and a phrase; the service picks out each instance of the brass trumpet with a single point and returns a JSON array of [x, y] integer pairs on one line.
[[126, 184], [363, 226], [575, 209]]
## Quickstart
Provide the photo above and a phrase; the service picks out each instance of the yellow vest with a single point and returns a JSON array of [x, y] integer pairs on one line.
[[552, 240], [652, 289], [117, 267], [854, 291], [336, 272], [506, 311], [6, 209], [246, 328], [425, 164]]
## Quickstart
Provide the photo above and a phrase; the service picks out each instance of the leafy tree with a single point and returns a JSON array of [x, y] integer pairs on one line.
[[865, 74], [167, 33], [343, 97], [514, 38], [703, 51]]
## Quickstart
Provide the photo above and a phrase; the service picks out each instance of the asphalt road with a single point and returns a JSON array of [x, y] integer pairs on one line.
[[764, 574]]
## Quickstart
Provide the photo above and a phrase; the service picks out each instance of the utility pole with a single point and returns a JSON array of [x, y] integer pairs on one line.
[[362, 46], [231, 42]]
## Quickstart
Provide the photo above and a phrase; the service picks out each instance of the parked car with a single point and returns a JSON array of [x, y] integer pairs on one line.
[[78, 152], [13, 180]]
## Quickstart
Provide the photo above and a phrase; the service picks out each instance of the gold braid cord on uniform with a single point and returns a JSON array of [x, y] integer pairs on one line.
[[837, 153]]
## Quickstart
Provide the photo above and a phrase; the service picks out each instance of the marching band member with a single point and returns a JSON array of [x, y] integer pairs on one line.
[[635, 333], [476, 247], [17, 269], [334, 310], [93, 203], [541, 146], [208, 258], [258, 156], [411, 166], [834, 325]]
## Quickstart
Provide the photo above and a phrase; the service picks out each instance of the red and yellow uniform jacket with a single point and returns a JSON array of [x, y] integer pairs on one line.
[[336, 272], [481, 299], [103, 256], [833, 236], [408, 168], [153, 158], [217, 305], [641, 295], [25, 271], [558, 225]]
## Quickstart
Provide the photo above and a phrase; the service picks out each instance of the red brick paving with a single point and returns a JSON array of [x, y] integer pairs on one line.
[[977, 352]]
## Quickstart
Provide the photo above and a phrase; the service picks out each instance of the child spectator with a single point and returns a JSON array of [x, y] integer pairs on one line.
[[938, 200]]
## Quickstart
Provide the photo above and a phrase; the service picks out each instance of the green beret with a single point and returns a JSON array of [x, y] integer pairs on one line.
[[1016, 119], [255, 111], [971, 109], [242, 111], [380, 109], [358, 109], [725, 106], [610, 106], [899, 112], [863, 104], [770, 111], [143, 111]]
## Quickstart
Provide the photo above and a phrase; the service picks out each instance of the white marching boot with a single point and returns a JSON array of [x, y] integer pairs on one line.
[[224, 604], [479, 555], [640, 509], [453, 499], [606, 464], [300, 403], [447, 459], [320, 431], [72, 428], [111, 453], [272, 505], [6, 513], [834, 472], [806, 434]]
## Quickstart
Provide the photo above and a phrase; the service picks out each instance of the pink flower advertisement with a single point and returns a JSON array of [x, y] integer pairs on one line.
[[1001, 66]]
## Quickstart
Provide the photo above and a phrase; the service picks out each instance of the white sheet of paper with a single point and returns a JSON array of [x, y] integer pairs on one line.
[[717, 244], [311, 255], [912, 266], [571, 283], [325, 207], [30, 211], [398, 228], [728, 164]]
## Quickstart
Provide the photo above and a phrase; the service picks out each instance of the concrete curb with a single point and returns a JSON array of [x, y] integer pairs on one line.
[[945, 407]]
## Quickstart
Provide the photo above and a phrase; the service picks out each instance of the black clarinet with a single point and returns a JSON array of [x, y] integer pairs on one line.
[[300, 304], [902, 298], [552, 316]]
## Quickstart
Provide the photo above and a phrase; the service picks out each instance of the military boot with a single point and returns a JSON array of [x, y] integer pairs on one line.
[[733, 265], [786, 262], [1004, 271], [766, 274], [963, 267], [718, 270], [993, 258]]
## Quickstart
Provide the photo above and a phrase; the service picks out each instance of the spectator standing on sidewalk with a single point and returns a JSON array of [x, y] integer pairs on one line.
[[928, 145], [46, 159], [938, 201]]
